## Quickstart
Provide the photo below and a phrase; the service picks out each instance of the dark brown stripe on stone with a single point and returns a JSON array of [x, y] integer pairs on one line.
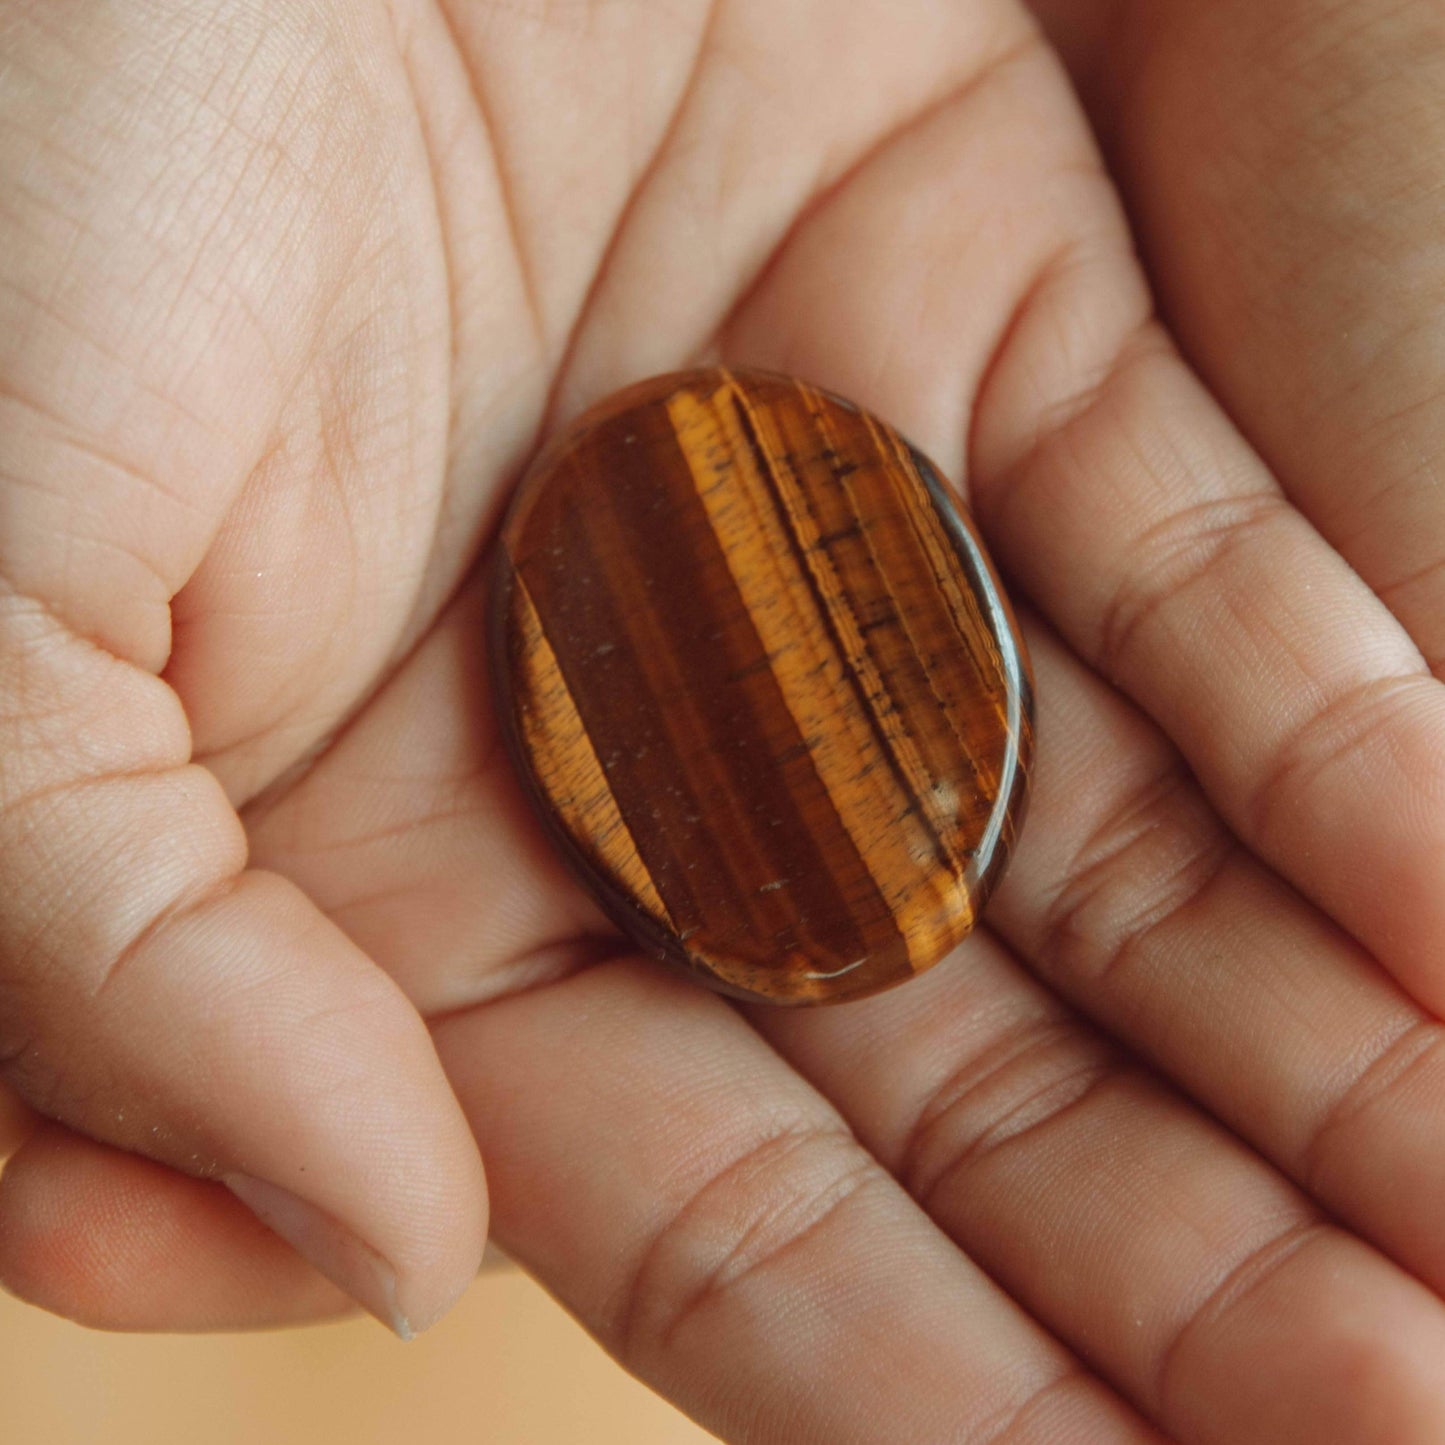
[[717, 770]]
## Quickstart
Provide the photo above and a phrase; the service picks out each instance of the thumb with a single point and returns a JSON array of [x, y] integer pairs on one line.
[[158, 995]]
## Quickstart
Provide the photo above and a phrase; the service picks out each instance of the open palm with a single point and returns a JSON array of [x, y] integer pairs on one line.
[[291, 292]]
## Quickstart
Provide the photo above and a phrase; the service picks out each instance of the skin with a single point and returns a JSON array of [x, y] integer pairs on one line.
[[290, 294]]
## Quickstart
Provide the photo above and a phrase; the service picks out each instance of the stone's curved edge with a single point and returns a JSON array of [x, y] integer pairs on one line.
[[1011, 806]]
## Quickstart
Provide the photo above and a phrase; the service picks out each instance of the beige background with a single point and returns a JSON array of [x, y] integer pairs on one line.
[[507, 1367]]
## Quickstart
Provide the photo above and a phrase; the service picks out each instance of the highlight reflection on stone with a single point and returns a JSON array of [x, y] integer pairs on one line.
[[762, 684]]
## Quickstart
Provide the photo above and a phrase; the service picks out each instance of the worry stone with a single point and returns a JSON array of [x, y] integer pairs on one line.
[[762, 684]]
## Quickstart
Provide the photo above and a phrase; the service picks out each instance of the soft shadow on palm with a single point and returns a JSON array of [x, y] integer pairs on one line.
[[903, 204]]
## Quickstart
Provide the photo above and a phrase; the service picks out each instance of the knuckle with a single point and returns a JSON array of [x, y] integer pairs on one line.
[[752, 1214], [1045, 1412], [1260, 1267], [1032, 1077], [188, 897], [1357, 724], [72, 717], [1376, 1087], [1153, 856], [109, 862], [1214, 544]]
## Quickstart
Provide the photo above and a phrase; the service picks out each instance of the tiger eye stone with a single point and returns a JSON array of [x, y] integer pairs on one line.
[[762, 684]]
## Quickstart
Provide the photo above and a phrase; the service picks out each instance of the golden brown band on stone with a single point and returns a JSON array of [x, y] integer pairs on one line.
[[762, 684]]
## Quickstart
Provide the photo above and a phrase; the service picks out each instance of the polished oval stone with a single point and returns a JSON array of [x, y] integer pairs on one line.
[[762, 684]]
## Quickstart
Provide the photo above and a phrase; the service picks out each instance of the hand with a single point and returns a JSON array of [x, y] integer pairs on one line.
[[290, 298]]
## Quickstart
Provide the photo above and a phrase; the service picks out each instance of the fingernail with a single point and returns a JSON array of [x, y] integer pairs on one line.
[[346, 1260]]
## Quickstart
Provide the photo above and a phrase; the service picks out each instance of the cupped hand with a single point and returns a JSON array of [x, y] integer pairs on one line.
[[290, 293]]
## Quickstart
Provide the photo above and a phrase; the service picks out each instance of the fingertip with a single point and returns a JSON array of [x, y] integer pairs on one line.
[[427, 1233], [347, 1261]]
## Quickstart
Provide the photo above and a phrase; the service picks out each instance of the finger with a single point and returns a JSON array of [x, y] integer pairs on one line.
[[117, 1242], [1155, 540], [158, 996], [1297, 250], [1181, 1266], [1130, 897], [710, 1219]]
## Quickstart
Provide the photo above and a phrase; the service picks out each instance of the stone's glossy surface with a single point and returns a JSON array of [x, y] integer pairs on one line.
[[762, 684]]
